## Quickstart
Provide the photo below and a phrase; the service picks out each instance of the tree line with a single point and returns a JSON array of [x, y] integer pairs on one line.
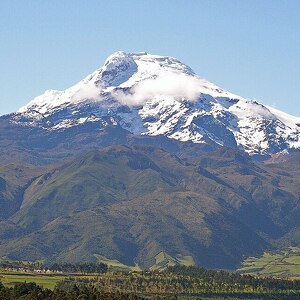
[[234, 278], [87, 267], [208, 284], [177, 280], [80, 268], [32, 291]]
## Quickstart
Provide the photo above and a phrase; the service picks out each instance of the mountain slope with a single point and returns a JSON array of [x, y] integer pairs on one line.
[[155, 95], [132, 203]]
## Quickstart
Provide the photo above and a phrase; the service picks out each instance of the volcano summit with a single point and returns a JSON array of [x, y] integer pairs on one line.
[[158, 95]]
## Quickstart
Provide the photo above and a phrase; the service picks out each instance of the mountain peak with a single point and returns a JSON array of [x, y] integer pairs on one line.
[[118, 68], [159, 95], [147, 62]]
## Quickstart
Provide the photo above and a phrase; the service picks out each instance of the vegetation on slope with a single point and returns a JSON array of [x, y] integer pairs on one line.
[[130, 204]]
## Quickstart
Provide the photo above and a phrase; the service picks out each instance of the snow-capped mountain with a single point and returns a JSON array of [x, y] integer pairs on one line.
[[158, 95]]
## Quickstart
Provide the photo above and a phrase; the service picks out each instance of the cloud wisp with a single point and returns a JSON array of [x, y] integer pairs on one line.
[[170, 85]]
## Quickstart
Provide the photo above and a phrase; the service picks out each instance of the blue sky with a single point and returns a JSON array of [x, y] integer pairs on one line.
[[250, 48]]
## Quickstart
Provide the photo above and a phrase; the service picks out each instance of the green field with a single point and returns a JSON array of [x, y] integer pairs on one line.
[[284, 263], [9, 279]]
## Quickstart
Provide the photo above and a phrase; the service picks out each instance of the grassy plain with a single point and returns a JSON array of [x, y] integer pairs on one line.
[[9, 279]]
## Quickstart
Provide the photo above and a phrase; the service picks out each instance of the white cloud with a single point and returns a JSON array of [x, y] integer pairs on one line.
[[88, 91], [174, 85]]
